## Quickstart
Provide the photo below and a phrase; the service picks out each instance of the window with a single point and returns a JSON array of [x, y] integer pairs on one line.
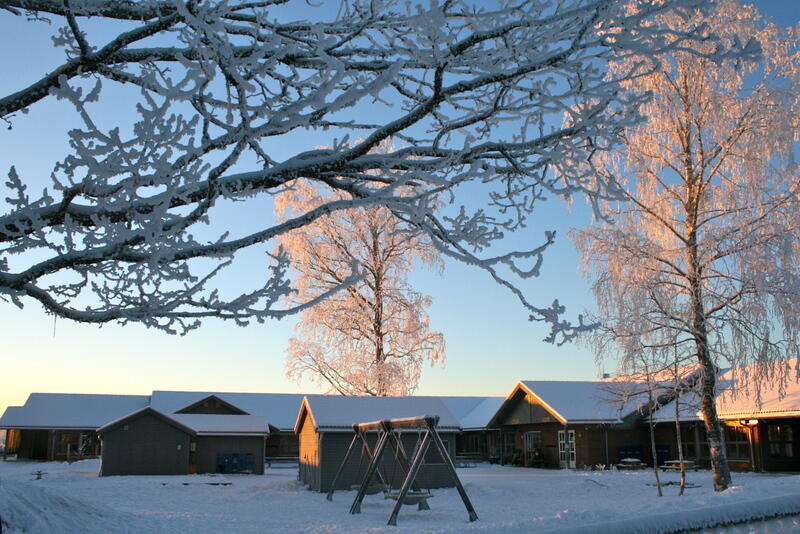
[[781, 441], [737, 443]]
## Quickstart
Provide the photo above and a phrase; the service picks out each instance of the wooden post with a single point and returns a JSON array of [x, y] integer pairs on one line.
[[355, 508], [437, 440], [410, 477]]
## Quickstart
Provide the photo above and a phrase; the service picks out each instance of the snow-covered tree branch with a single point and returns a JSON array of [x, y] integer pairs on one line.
[[702, 263], [491, 108]]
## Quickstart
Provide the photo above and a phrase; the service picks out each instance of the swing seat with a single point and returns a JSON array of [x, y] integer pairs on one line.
[[412, 497]]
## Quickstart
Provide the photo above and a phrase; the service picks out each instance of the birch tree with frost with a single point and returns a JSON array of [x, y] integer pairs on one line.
[[131, 227], [373, 337], [701, 261]]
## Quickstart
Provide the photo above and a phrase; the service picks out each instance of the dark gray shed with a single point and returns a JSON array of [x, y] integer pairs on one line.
[[148, 442], [324, 427], [145, 442]]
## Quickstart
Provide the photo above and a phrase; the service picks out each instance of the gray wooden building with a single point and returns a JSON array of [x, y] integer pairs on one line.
[[324, 427], [149, 442]]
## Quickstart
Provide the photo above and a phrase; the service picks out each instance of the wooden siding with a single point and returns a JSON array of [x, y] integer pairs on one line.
[[207, 448], [145, 445], [598, 445], [333, 447], [309, 454], [525, 409]]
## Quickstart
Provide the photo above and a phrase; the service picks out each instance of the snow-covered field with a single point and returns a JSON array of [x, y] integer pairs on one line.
[[72, 498]]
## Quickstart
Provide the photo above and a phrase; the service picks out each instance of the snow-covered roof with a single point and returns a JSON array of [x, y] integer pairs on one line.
[[200, 424], [473, 412], [688, 409], [116, 423], [586, 402], [778, 398], [69, 410], [737, 399], [213, 424], [339, 413], [280, 409]]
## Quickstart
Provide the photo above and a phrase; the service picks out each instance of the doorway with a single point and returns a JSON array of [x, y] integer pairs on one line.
[[566, 449]]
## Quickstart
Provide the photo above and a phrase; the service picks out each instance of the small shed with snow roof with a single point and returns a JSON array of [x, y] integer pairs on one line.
[[150, 442], [324, 427]]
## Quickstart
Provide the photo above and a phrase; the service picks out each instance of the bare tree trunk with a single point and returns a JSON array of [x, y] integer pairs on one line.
[[720, 472], [653, 436], [682, 467]]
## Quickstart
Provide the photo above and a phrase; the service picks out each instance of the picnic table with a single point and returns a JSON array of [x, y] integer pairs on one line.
[[630, 464], [675, 465]]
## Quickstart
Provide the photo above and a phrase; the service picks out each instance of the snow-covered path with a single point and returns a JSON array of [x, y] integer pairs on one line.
[[72, 498]]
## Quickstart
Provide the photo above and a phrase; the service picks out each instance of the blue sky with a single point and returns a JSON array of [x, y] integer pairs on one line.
[[490, 342]]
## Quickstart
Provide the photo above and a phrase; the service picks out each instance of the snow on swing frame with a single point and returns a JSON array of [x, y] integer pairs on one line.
[[426, 427]]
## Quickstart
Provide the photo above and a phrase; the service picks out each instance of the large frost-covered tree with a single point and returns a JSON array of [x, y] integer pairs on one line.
[[701, 263], [373, 337], [231, 100]]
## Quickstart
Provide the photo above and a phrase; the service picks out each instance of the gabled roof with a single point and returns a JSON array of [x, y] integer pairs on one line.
[[224, 425], [235, 409], [280, 409], [147, 410], [70, 411], [335, 413], [572, 402], [199, 424]]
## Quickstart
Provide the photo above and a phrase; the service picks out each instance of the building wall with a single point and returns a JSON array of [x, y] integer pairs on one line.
[[145, 445], [526, 410], [333, 447], [322, 454], [514, 444], [778, 441], [208, 447], [33, 444], [308, 444]]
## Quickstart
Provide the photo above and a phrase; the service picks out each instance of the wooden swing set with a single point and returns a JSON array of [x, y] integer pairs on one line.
[[389, 433]]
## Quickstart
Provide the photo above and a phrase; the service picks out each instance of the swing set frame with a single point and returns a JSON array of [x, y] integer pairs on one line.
[[387, 430]]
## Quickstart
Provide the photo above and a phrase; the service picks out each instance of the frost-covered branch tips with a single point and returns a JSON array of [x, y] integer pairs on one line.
[[225, 104]]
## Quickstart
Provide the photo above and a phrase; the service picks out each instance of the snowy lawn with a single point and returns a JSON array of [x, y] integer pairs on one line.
[[72, 498]]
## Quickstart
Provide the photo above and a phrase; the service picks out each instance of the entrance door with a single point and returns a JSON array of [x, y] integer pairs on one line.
[[533, 449], [566, 448]]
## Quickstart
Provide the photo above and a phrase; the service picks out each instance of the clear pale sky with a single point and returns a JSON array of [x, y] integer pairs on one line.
[[490, 343]]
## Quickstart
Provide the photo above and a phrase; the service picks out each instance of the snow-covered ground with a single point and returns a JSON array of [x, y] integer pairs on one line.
[[72, 498]]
